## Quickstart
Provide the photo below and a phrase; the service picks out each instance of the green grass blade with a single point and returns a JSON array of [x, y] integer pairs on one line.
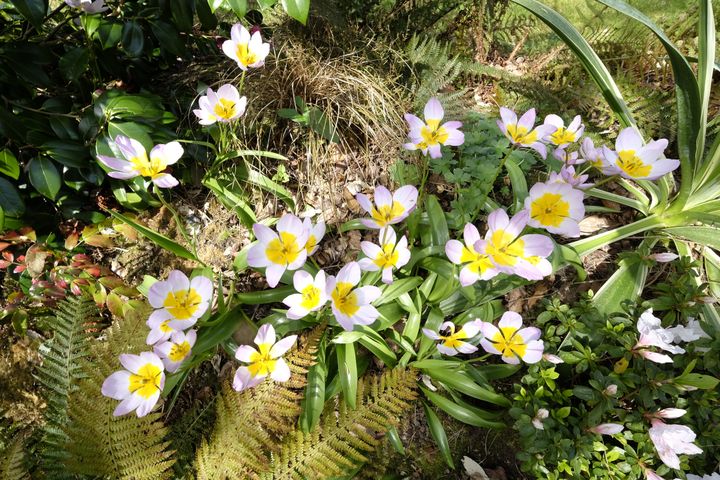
[[587, 56], [157, 238]]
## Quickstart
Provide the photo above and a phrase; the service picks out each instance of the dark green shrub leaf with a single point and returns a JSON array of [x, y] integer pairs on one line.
[[74, 63], [33, 10], [10, 200], [9, 164], [133, 39], [44, 176]]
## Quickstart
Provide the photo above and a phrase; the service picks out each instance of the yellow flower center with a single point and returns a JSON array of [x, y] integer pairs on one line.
[[345, 299], [561, 136], [632, 165], [310, 244], [261, 364], [146, 382], [179, 351], [520, 134], [182, 304], [433, 134], [283, 250], [387, 213], [550, 209], [454, 339], [388, 257], [225, 109], [310, 297], [503, 250], [508, 343], [165, 328], [148, 168], [244, 55], [478, 263]]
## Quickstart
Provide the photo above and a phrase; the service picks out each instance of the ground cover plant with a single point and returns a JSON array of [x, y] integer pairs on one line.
[[251, 239]]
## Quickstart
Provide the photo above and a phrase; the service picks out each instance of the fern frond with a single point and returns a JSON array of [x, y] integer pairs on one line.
[[186, 434], [346, 437], [124, 447], [12, 462], [75, 321], [435, 69], [250, 423]]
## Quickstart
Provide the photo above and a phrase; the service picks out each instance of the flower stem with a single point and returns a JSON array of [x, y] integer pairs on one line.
[[178, 221]]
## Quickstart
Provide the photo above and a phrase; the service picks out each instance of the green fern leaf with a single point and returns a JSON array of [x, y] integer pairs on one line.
[[75, 321], [250, 423], [12, 462], [99, 443], [346, 438]]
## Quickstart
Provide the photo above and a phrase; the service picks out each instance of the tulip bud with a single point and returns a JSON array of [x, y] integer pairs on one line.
[[607, 428], [663, 257]]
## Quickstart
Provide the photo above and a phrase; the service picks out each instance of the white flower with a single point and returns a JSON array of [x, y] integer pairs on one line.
[[596, 157], [315, 234], [281, 250], [88, 6], [352, 305], [429, 135], [248, 51], [541, 415], [521, 132], [224, 106], [712, 476], [653, 335], [135, 161], [311, 297], [558, 134], [263, 362], [511, 341], [451, 340], [389, 208], [390, 255], [556, 207], [693, 331], [524, 256], [179, 302], [671, 440], [138, 386], [176, 350], [637, 161], [607, 429], [476, 265]]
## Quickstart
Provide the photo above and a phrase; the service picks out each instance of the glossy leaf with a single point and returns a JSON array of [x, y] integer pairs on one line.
[[460, 412], [297, 9], [314, 400], [159, 239], [10, 201], [396, 289], [438, 225], [438, 433], [626, 283], [347, 371], [9, 165], [239, 7], [133, 38], [33, 10], [74, 63], [44, 176], [462, 382]]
